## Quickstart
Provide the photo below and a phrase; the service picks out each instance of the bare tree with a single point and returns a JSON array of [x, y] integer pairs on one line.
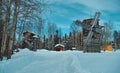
[[1, 28], [24, 15], [40, 27], [60, 35], [1, 20], [75, 30], [51, 32], [30, 16], [12, 33], [5, 27], [107, 33], [116, 36], [50, 39]]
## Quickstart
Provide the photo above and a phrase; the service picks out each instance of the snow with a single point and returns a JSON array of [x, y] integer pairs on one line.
[[35, 36], [73, 48], [59, 45], [44, 61]]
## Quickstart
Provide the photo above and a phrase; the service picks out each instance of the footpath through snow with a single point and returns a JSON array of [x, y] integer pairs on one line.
[[43, 61]]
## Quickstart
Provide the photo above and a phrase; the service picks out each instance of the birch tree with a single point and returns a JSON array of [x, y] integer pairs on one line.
[[74, 29], [17, 12], [30, 15], [51, 32], [12, 33], [0, 17], [1, 28], [1, 21], [5, 27], [107, 33]]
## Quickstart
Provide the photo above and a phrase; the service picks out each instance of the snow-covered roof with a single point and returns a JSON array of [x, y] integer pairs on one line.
[[35, 36], [59, 45], [26, 32], [73, 48]]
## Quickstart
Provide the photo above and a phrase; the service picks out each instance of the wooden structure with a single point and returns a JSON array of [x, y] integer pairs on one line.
[[31, 41], [59, 47], [37, 44], [27, 40], [107, 48], [96, 38], [92, 33]]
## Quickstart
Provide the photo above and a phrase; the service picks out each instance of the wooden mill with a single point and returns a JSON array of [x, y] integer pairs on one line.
[[92, 33]]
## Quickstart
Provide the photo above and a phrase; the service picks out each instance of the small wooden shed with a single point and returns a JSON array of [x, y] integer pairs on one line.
[[108, 48], [59, 47]]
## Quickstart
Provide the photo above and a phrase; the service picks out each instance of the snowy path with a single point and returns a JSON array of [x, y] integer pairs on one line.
[[44, 61]]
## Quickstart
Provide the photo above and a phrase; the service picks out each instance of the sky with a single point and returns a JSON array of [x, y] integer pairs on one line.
[[64, 12]]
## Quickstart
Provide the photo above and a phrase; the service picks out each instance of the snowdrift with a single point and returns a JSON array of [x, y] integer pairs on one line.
[[43, 61]]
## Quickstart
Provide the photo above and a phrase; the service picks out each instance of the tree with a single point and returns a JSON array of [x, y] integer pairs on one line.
[[12, 33], [5, 27], [40, 27], [1, 22], [116, 36], [75, 30], [51, 34], [80, 40], [56, 38], [67, 41], [1, 28], [19, 15], [60, 34], [44, 41], [107, 33], [30, 14]]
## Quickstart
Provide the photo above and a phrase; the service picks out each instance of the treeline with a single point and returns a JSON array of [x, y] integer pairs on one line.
[[17, 16], [52, 37], [116, 35], [71, 40]]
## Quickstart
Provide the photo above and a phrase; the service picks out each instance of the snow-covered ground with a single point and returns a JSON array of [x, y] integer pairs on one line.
[[43, 61]]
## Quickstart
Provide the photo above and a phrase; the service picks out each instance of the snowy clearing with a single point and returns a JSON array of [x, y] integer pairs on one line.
[[44, 61]]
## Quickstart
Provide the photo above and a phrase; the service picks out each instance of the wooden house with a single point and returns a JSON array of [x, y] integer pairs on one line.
[[59, 47], [31, 41]]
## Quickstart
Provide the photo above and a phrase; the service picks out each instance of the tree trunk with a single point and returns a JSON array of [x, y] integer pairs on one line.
[[1, 22], [12, 33], [5, 28], [1, 28]]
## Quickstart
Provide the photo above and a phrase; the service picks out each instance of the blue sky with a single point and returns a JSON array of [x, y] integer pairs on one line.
[[64, 12]]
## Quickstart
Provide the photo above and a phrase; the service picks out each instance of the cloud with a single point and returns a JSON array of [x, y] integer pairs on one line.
[[99, 5], [64, 12], [85, 7], [69, 11]]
